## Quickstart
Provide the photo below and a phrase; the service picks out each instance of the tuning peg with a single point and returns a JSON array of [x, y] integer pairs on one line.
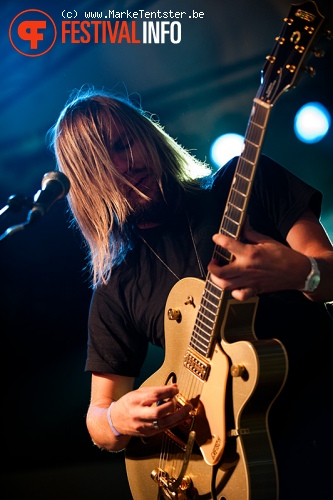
[[319, 52], [288, 20], [310, 70]]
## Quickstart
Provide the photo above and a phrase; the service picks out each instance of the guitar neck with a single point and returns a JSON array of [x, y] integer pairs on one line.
[[204, 331], [241, 186]]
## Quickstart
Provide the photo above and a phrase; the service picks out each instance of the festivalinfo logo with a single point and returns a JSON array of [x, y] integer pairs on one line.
[[33, 32]]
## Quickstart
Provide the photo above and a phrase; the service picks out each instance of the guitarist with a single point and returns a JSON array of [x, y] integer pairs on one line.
[[148, 224]]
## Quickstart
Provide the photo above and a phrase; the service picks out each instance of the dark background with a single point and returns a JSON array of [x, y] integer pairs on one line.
[[199, 88]]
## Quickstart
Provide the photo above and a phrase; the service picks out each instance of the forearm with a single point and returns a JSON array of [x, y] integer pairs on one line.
[[100, 431], [263, 265]]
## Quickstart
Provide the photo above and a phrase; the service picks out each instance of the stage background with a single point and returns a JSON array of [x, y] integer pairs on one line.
[[199, 88]]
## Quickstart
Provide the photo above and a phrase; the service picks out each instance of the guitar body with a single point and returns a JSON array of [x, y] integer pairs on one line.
[[232, 456]]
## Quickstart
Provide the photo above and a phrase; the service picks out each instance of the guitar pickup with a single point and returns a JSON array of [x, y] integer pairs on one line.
[[197, 366]]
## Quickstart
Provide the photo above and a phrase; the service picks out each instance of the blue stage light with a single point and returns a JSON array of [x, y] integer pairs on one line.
[[312, 122], [226, 147]]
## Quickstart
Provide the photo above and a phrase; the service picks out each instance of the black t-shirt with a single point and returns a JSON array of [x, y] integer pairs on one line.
[[128, 313]]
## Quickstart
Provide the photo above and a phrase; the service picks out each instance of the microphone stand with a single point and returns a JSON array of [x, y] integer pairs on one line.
[[55, 185], [14, 204], [14, 229]]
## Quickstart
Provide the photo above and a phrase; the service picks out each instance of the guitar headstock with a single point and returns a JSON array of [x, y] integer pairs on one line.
[[293, 47]]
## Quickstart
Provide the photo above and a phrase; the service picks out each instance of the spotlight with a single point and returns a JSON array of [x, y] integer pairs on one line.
[[312, 122], [225, 147]]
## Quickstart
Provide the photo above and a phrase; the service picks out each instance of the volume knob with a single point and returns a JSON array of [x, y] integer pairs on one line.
[[174, 314], [237, 370]]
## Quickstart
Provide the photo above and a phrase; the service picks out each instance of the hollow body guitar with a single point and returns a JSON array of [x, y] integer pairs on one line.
[[232, 449], [224, 451]]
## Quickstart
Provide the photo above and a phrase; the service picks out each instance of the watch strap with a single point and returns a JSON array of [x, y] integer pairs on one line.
[[313, 278]]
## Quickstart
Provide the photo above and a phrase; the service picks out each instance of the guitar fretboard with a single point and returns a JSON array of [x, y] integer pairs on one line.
[[204, 330]]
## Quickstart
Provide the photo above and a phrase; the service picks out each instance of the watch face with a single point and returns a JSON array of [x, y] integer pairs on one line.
[[313, 282]]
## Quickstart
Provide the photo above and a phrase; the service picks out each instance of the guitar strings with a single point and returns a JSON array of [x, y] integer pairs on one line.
[[172, 456]]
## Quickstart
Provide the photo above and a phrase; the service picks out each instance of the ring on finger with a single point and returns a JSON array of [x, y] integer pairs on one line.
[[155, 425]]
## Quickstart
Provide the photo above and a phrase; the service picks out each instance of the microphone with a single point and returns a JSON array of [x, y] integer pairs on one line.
[[15, 202], [55, 186]]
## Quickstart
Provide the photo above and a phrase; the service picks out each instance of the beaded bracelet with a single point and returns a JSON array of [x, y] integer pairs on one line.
[[116, 433]]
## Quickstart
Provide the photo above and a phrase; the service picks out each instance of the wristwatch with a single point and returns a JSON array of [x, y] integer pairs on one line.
[[313, 278]]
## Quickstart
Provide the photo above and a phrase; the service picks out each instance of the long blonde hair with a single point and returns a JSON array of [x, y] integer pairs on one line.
[[81, 139]]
